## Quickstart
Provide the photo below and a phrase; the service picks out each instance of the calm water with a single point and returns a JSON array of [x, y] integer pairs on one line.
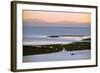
[[48, 39], [59, 56], [28, 30], [39, 34]]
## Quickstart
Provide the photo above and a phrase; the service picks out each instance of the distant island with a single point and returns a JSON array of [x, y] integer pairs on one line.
[[54, 36], [66, 35]]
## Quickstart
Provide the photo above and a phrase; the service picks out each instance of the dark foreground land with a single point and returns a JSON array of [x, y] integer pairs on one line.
[[44, 49]]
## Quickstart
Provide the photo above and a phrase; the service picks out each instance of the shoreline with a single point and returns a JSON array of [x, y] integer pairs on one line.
[[59, 56], [53, 40], [42, 49]]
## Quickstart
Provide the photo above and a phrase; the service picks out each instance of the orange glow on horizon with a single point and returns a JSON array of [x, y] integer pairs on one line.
[[57, 17]]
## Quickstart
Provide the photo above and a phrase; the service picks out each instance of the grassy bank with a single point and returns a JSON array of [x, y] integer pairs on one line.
[[43, 49], [77, 46], [32, 50]]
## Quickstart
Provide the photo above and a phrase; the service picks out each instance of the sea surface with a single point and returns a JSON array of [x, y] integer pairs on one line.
[[28, 30], [39, 35], [59, 56]]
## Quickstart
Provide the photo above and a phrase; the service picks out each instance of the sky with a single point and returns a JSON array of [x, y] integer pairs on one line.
[[49, 18]]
